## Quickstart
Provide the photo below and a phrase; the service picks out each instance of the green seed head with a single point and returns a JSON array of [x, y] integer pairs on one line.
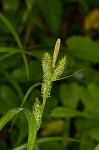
[[37, 111], [59, 69], [51, 71], [46, 64]]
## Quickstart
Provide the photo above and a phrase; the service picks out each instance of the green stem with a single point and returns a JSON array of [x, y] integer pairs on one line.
[[47, 92]]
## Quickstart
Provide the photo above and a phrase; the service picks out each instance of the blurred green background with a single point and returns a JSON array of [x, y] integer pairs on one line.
[[39, 23]]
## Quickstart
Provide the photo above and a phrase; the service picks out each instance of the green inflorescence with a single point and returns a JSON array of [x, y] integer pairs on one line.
[[51, 72], [37, 111]]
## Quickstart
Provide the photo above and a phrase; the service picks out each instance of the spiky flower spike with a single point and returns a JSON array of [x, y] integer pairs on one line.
[[51, 71], [46, 86], [59, 69], [37, 111]]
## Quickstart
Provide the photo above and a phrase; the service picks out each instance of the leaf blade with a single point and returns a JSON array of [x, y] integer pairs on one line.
[[83, 48], [8, 116]]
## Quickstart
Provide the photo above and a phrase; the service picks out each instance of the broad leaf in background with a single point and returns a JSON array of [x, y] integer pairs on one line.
[[69, 95], [64, 112], [83, 48], [90, 98]]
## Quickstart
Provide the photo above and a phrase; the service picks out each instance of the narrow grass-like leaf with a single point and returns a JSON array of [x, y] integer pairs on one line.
[[11, 29], [50, 139], [47, 139], [14, 50], [6, 118], [21, 147], [32, 129], [31, 123]]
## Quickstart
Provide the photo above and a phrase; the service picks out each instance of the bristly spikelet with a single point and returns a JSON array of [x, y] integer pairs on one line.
[[37, 111], [46, 64], [56, 51], [51, 72], [59, 69]]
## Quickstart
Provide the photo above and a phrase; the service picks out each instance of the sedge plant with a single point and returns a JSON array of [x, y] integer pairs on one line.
[[52, 70]]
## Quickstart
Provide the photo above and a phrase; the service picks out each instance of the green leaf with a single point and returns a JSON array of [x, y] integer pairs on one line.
[[83, 48], [90, 98], [25, 98], [31, 123], [14, 50], [65, 112], [69, 95], [32, 129], [10, 114], [21, 147]]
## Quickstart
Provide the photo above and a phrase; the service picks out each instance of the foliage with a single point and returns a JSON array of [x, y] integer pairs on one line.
[[62, 116]]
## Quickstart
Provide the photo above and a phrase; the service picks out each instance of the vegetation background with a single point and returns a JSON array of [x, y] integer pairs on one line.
[[72, 111]]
